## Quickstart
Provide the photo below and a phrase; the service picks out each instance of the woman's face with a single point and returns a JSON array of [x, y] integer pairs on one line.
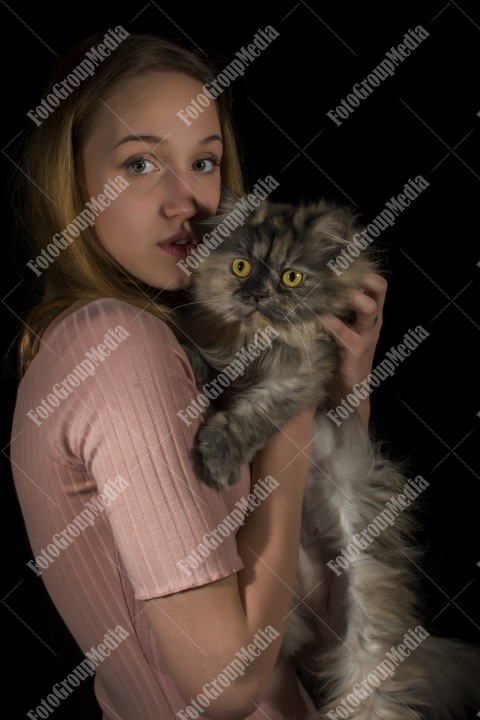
[[173, 171]]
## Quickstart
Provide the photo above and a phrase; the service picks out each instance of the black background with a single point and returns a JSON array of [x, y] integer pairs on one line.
[[422, 121]]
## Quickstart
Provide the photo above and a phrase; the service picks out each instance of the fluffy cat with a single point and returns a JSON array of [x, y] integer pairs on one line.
[[367, 656]]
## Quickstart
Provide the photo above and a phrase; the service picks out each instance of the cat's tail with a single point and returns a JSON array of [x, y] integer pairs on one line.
[[438, 680], [452, 670], [385, 665]]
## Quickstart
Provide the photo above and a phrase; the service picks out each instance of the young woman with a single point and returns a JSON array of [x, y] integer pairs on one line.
[[103, 466]]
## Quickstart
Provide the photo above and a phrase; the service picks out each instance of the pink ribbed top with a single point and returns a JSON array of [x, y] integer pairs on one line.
[[96, 413]]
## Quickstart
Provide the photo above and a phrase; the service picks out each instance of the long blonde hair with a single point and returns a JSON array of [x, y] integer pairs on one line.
[[49, 195]]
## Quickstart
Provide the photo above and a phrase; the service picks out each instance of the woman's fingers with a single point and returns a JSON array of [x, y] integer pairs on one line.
[[368, 307], [357, 341], [367, 312]]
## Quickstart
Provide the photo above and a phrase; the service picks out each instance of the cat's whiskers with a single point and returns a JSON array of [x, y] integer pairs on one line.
[[198, 302], [301, 338]]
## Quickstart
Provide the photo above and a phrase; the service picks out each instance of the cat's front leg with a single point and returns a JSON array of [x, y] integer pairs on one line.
[[233, 436], [217, 452], [257, 411], [220, 450], [200, 367]]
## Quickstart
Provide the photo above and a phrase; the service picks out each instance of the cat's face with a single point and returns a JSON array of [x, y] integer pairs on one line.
[[275, 269]]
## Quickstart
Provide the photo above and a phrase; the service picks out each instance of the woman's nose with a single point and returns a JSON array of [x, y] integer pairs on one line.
[[179, 198]]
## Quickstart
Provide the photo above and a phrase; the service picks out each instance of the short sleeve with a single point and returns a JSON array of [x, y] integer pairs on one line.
[[128, 431]]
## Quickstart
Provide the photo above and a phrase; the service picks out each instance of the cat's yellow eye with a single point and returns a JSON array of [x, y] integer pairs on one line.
[[292, 278], [241, 268]]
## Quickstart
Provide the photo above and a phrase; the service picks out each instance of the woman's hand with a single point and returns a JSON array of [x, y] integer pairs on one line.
[[358, 341]]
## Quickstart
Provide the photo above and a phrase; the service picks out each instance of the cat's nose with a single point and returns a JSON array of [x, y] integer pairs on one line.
[[259, 295]]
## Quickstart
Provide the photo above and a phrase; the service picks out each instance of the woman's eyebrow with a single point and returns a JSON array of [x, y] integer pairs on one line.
[[155, 140], [210, 138], [149, 139]]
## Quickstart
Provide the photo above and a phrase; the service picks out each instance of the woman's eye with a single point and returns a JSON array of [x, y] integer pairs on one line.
[[241, 268], [205, 165], [140, 166], [292, 278]]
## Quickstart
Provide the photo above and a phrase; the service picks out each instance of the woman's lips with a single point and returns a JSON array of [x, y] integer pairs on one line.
[[180, 245]]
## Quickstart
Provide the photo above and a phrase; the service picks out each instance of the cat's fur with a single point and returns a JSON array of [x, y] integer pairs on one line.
[[370, 607]]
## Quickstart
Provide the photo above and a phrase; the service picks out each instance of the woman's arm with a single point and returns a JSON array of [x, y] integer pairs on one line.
[[200, 630], [358, 342], [137, 428]]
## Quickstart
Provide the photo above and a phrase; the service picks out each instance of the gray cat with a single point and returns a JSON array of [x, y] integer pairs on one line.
[[257, 299]]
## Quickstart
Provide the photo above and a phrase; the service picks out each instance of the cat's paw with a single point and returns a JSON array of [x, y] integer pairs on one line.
[[220, 457]]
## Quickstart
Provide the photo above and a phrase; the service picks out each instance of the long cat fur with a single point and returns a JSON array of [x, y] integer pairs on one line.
[[370, 607]]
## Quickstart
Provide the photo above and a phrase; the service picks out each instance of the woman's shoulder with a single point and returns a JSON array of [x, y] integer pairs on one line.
[[91, 330], [92, 315]]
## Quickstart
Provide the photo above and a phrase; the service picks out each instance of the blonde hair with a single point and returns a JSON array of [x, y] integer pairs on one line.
[[51, 196]]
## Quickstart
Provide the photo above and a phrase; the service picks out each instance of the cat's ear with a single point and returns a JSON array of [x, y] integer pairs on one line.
[[228, 198], [228, 203], [333, 223]]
